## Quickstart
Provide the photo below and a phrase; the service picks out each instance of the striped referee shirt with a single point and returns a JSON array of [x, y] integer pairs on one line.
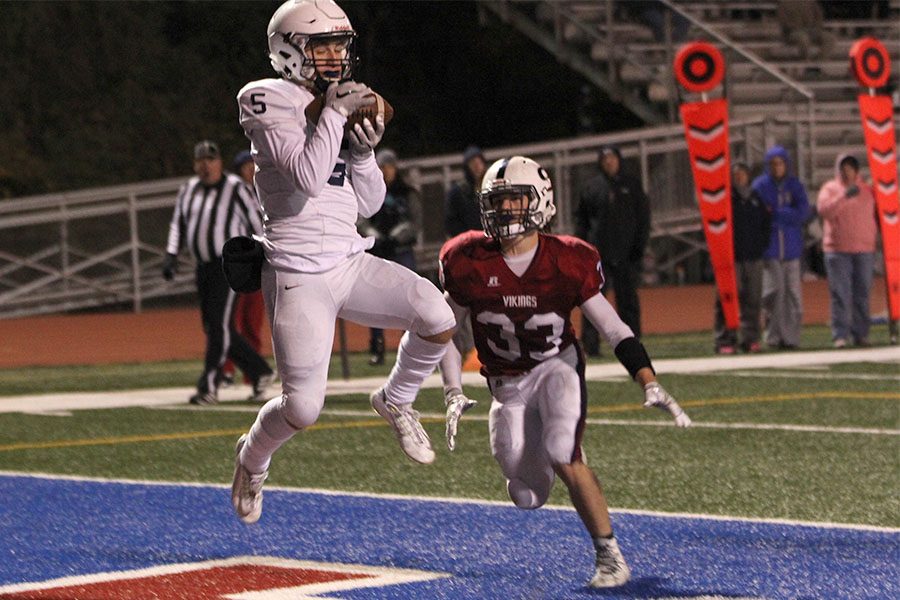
[[206, 217]]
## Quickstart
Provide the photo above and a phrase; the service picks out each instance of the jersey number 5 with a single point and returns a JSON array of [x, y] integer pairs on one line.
[[256, 101], [504, 341]]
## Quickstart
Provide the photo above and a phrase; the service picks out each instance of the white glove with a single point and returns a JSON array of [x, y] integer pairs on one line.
[[363, 137], [655, 395], [347, 97], [457, 404]]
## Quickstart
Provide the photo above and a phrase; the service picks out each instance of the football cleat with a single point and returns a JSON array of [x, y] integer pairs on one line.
[[405, 422], [261, 387], [611, 568], [204, 398], [246, 488]]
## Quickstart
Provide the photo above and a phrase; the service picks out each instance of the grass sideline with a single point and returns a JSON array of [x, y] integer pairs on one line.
[[749, 456], [38, 380]]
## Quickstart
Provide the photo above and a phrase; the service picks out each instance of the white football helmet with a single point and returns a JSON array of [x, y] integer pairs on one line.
[[294, 25], [518, 176]]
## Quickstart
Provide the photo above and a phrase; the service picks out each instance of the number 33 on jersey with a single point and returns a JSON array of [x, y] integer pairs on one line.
[[519, 322]]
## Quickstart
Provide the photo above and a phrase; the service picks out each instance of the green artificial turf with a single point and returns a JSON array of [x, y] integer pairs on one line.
[[834, 476]]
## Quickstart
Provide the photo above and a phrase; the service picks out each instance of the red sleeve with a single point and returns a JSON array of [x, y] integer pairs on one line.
[[585, 267], [452, 268]]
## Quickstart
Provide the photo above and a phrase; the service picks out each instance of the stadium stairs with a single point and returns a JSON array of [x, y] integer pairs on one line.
[[766, 76]]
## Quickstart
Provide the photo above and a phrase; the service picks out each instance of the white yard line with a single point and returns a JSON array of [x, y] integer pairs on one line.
[[476, 501], [609, 371], [613, 422], [801, 375]]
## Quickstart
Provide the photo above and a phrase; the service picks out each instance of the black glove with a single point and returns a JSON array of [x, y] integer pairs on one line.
[[170, 265]]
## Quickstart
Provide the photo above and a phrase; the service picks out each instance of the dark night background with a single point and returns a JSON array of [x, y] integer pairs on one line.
[[104, 93]]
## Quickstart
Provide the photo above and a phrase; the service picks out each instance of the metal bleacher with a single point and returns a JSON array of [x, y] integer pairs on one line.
[[766, 76], [104, 247]]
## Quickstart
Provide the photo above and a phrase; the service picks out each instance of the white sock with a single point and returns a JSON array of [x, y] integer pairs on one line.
[[270, 431], [416, 360]]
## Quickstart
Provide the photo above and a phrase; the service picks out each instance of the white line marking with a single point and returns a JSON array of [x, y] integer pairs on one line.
[[709, 165], [595, 372], [879, 128], [448, 500], [714, 197], [796, 375], [591, 421], [706, 136], [380, 576], [757, 426]]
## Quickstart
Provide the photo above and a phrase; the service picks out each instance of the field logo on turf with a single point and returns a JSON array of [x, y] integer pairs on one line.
[[240, 578]]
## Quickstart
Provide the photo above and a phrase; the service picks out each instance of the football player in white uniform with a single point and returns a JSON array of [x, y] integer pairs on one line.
[[312, 190], [519, 287]]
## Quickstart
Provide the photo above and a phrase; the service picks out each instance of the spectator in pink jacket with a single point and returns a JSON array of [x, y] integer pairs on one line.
[[849, 224]]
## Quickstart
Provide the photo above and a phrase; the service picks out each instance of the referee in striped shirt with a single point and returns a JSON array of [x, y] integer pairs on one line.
[[212, 207]]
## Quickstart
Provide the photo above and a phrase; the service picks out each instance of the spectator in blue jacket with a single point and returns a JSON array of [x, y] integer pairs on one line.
[[786, 200]]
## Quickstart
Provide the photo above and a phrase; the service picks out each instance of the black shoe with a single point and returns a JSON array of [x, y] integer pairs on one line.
[[261, 387], [204, 398], [376, 359]]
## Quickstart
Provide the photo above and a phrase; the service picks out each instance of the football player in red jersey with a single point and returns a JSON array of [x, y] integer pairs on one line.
[[519, 286]]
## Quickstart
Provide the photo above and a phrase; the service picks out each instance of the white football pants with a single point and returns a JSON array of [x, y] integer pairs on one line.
[[536, 421], [302, 308]]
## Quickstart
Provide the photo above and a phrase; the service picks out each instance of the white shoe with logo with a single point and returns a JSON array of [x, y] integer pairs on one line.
[[611, 568], [405, 422], [246, 488]]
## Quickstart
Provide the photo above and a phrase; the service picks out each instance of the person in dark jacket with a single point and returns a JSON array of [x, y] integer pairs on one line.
[[613, 214], [786, 199], [461, 214], [395, 228], [751, 227], [461, 211]]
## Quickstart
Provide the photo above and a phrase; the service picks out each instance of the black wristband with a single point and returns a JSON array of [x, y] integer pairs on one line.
[[633, 356]]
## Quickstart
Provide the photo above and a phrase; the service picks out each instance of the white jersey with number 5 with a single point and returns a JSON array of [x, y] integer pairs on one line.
[[310, 189]]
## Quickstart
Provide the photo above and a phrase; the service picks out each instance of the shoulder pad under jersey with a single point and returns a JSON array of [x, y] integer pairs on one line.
[[268, 102]]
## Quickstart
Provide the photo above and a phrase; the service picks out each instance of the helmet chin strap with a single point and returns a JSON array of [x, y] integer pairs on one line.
[[321, 84], [519, 243]]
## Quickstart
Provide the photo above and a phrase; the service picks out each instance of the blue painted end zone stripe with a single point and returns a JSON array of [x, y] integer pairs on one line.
[[56, 528]]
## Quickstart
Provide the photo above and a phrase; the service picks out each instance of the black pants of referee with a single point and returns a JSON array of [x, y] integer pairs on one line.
[[216, 308], [623, 278]]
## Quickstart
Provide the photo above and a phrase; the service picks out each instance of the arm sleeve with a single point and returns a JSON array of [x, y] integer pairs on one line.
[[451, 363], [173, 244], [452, 221], [642, 235], [603, 316], [251, 208], [279, 133], [828, 200], [797, 213], [414, 202], [368, 184], [583, 216]]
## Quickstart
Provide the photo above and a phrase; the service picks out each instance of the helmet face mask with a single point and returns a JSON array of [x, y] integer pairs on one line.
[[516, 197], [330, 56], [312, 42], [508, 211]]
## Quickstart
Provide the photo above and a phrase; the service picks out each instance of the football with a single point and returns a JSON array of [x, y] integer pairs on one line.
[[378, 106]]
